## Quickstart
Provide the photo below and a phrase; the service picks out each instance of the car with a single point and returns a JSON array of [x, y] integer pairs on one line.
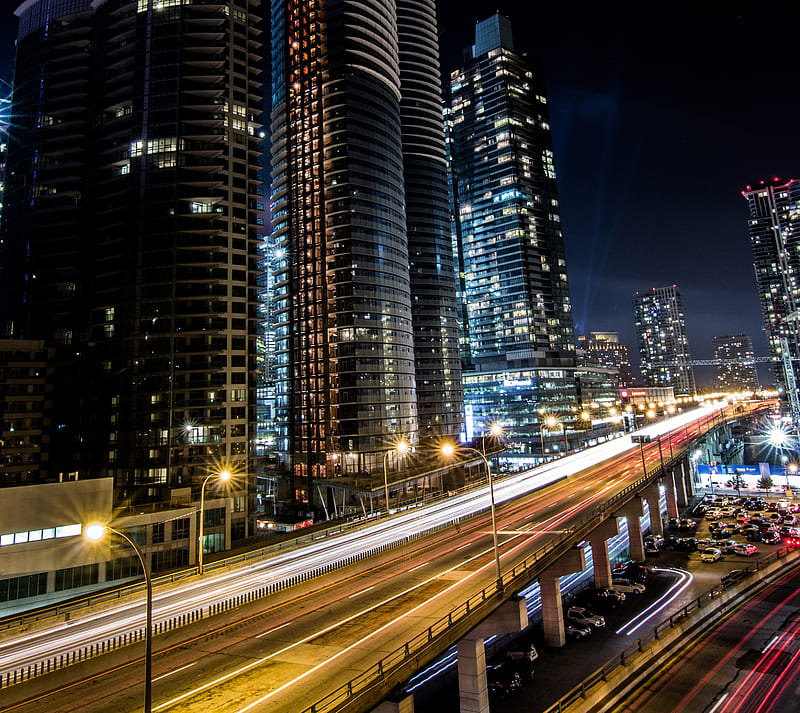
[[522, 665], [790, 520], [724, 546], [713, 514], [576, 630], [686, 544], [502, 680], [581, 615], [735, 575], [710, 554], [527, 653], [626, 586], [792, 542], [602, 595], [745, 550], [770, 538], [632, 571]]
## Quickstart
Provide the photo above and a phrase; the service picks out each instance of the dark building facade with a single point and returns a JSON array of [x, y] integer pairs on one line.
[[736, 367], [774, 228], [605, 349], [365, 324], [130, 234], [665, 359], [518, 335]]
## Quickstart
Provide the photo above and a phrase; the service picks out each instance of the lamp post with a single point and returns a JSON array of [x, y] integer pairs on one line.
[[448, 450], [552, 422], [96, 532], [401, 448], [790, 468], [224, 475]]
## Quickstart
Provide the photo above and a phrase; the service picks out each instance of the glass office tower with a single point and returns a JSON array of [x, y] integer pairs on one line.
[[774, 227], [364, 293], [665, 359], [517, 316], [130, 235]]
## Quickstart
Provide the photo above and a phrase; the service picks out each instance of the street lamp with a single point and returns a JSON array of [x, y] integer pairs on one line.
[[790, 468], [552, 422], [224, 476], [401, 448], [95, 532], [448, 450]]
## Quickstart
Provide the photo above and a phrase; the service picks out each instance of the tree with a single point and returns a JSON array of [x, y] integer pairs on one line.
[[765, 483]]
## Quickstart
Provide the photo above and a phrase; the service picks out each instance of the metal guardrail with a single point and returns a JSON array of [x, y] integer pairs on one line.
[[625, 658], [387, 672]]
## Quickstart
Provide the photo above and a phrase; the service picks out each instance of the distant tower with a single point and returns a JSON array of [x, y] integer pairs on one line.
[[774, 228], [519, 334], [604, 348], [663, 346], [736, 370]]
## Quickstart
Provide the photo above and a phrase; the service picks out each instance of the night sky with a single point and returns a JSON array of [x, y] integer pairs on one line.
[[661, 115]]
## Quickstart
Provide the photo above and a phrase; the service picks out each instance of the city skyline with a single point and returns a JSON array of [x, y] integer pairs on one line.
[[613, 87]]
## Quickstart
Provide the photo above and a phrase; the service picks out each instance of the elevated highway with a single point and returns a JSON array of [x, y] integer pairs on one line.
[[337, 624]]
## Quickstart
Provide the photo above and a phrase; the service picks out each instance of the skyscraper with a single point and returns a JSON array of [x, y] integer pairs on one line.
[[130, 235], [774, 228], [605, 348], [515, 304], [364, 298], [663, 346], [736, 370]]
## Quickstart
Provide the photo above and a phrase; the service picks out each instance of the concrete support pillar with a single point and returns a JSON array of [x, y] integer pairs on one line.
[[676, 474], [652, 496], [550, 591], [599, 538], [669, 492], [686, 473], [404, 704], [632, 511], [473, 691]]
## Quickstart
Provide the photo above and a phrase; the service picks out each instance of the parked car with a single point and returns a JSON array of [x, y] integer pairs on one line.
[[502, 680], [686, 544], [581, 615], [724, 546], [770, 538], [710, 554], [790, 520], [576, 630], [527, 653], [735, 575], [745, 550], [626, 586], [634, 571], [602, 595]]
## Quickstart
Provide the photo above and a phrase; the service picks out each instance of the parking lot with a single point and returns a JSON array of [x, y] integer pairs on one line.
[[677, 576]]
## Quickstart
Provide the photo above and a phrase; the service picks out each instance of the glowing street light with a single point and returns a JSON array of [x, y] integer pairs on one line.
[[552, 422], [223, 476], [448, 449], [401, 448], [96, 532]]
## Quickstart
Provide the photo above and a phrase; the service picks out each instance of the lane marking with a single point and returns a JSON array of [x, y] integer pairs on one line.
[[177, 670]]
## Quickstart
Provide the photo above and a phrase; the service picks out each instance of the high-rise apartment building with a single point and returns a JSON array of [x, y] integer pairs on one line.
[[131, 233], [774, 228], [736, 368], [366, 329], [605, 349], [516, 312], [664, 354]]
